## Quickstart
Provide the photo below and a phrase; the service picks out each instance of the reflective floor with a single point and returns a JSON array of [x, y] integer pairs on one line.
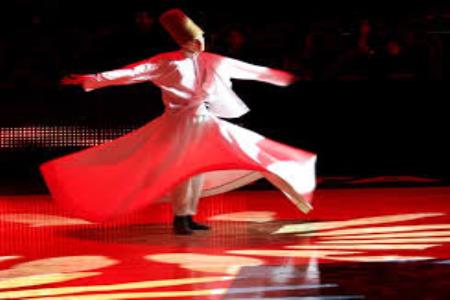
[[360, 243]]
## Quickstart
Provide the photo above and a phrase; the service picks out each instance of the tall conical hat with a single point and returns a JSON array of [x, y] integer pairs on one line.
[[180, 26]]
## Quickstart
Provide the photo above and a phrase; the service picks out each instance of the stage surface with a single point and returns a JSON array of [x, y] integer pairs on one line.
[[358, 243]]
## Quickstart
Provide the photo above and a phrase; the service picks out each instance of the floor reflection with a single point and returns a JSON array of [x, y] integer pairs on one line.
[[395, 246]]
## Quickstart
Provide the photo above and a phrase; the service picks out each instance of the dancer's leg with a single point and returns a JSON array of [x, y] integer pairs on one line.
[[181, 198], [181, 203], [196, 191]]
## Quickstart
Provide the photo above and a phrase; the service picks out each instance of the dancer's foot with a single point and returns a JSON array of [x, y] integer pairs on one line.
[[181, 225], [196, 226]]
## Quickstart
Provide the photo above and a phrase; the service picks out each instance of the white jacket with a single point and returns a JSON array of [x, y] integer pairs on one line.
[[190, 79]]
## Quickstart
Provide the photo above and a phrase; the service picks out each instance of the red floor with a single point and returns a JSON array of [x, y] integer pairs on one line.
[[391, 243]]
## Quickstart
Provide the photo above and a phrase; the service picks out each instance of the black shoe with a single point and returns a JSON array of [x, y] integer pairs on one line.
[[196, 226], [181, 225]]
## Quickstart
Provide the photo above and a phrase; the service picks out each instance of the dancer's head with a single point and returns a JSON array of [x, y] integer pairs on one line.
[[183, 30]]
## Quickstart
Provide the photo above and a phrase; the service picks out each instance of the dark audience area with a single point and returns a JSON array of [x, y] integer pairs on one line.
[[40, 41]]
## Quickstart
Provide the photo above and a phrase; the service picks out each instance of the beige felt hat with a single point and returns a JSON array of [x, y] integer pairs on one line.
[[179, 26]]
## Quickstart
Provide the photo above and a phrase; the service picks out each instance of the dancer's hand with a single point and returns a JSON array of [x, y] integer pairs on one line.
[[293, 78], [283, 78], [74, 79]]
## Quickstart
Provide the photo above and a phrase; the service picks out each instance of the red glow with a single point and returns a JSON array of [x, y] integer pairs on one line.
[[120, 252]]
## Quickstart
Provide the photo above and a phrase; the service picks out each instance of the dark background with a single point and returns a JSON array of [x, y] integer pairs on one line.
[[379, 110]]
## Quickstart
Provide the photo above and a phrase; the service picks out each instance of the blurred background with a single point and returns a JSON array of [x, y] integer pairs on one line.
[[372, 101]]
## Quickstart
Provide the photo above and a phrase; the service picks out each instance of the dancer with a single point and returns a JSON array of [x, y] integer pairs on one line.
[[186, 153]]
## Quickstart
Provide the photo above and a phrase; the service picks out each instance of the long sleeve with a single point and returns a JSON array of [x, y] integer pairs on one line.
[[241, 70], [146, 70]]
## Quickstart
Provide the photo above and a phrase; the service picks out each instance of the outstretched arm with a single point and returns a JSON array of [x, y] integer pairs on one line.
[[242, 70], [145, 70]]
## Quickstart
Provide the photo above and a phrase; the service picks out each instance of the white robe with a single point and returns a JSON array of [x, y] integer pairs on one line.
[[189, 139]]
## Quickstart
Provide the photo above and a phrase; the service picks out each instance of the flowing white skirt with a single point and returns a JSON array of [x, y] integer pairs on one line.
[[143, 166]]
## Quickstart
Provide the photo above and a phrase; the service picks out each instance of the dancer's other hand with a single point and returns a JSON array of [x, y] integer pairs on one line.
[[74, 79]]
